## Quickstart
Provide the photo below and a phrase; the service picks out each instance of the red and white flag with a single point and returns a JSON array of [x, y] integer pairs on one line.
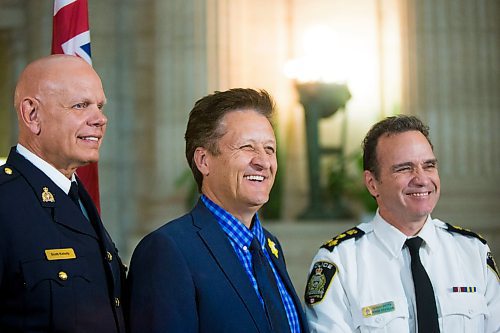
[[71, 35]]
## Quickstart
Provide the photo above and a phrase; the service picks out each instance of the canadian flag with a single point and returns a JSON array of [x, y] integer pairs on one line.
[[71, 35]]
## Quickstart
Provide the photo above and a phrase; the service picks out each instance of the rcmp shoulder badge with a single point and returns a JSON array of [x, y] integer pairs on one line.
[[318, 282], [466, 232], [351, 233], [492, 264]]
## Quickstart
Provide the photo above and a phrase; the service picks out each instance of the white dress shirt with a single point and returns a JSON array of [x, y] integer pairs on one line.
[[55, 175], [372, 288]]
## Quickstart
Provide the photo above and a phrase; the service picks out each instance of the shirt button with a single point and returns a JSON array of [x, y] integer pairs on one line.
[[117, 302], [245, 248], [471, 311], [109, 256], [62, 276]]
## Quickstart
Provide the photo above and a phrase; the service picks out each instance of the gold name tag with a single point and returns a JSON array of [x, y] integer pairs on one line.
[[60, 254], [373, 310]]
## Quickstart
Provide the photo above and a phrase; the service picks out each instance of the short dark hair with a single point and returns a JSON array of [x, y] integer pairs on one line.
[[389, 126], [204, 125]]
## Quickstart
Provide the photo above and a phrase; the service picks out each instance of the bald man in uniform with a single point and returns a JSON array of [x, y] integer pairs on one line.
[[59, 269]]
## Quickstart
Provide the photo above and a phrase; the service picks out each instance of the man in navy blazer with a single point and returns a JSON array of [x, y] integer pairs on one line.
[[198, 273], [59, 269]]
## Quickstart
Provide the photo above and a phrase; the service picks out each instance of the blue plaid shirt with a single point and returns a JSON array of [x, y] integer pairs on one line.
[[240, 238]]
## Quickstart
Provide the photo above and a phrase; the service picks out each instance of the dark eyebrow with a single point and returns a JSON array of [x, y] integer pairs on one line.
[[400, 165], [410, 164]]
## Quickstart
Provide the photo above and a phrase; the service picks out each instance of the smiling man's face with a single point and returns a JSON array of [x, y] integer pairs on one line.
[[408, 185], [240, 176], [62, 99]]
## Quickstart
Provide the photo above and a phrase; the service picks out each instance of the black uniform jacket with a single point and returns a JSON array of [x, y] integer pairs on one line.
[[58, 271]]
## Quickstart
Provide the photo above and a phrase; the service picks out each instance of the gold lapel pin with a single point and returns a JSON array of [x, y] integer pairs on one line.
[[272, 246]]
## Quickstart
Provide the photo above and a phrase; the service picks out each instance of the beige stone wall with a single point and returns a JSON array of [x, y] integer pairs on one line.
[[452, 80], [157, 57]]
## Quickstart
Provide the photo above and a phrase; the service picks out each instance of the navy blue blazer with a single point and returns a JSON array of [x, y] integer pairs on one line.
[[185, 277], [38, 222]]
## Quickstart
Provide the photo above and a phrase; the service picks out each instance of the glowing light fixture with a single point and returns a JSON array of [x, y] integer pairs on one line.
[[320, 81]]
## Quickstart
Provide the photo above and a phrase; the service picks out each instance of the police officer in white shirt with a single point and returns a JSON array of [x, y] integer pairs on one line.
[[372, 279]]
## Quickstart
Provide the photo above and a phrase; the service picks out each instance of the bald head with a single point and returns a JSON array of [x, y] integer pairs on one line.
[[41, 74], [59, 100]]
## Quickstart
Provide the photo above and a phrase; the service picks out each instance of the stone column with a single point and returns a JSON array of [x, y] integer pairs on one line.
[[112, 33], [198, 46], [12, 60], [452, 82]]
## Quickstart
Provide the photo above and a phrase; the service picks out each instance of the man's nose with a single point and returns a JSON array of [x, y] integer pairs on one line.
[[98, 118], [261, 159], [420, 177]]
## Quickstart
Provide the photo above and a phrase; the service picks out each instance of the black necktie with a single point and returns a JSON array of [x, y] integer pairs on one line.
[[427, 317], [268, 289], [73, 194]]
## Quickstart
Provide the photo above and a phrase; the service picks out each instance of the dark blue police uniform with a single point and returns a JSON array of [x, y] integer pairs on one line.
[[58, 271]]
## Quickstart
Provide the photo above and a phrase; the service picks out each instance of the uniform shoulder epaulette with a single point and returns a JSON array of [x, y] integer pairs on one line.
[[351, 233], [7, 173], [466, 232]]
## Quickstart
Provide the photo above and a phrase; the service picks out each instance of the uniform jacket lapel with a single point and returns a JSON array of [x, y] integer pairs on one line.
[[107, 246], [60, 207], [216, 241], [92, 213]]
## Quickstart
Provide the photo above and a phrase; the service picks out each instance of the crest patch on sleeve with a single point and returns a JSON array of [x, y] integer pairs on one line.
[[319, 280], [492, 264]]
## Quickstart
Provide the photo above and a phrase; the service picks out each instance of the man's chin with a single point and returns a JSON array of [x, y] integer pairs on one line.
[[259, 202], [90, 160]]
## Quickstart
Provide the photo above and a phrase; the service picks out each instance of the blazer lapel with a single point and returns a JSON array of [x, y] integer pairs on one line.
[[220, 247], [276, 254]]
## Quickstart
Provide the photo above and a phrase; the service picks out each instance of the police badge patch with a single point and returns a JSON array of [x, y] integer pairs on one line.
[[318, 282]]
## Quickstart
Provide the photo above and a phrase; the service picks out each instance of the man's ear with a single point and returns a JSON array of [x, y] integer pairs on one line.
[[201, 159], [371, 183], [29, 114]]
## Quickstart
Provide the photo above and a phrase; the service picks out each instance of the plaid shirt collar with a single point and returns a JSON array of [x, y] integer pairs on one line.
[[234, 229]]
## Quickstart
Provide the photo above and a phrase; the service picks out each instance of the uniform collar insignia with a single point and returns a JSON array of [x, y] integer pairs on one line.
[[47, 196]]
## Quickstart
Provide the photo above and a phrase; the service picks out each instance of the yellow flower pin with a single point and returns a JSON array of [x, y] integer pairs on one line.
[[272, 246]]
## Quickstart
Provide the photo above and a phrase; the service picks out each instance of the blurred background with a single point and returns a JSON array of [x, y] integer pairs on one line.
[[335, 67]]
